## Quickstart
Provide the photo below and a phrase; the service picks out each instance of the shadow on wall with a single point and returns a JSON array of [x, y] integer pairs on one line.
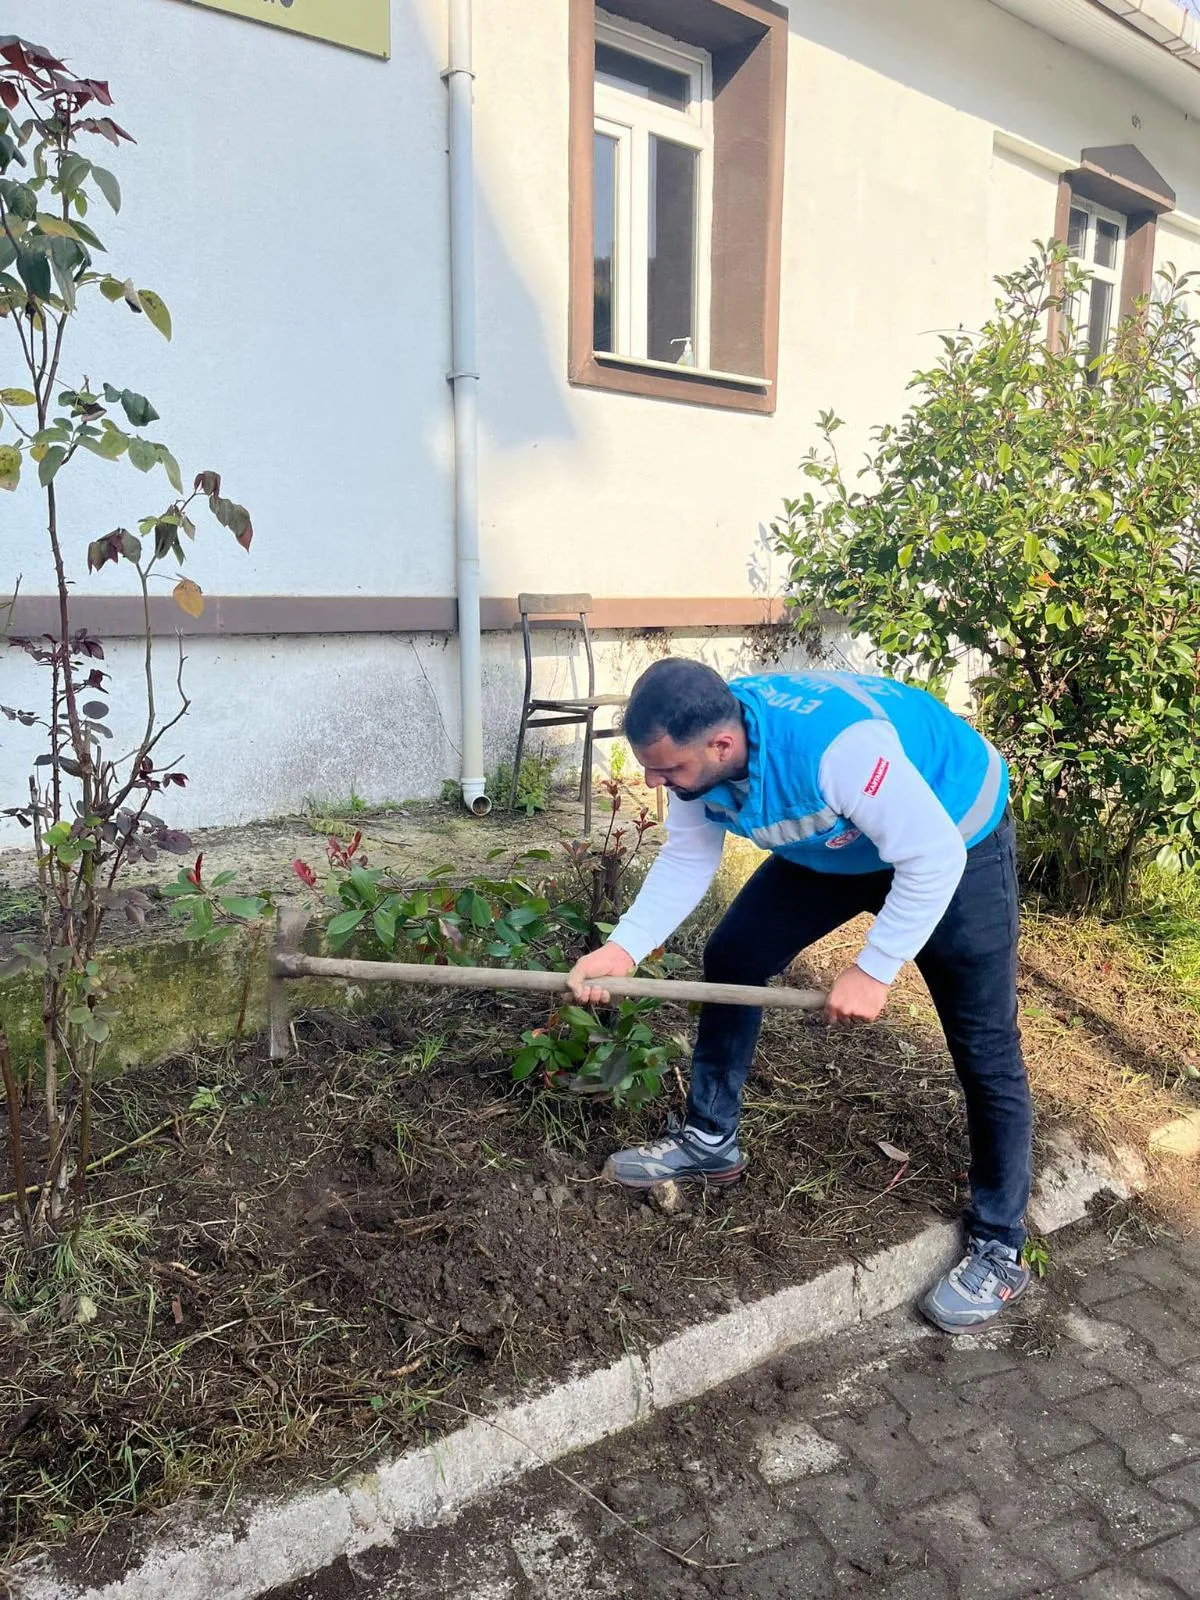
[[517, 343], [975, 57]]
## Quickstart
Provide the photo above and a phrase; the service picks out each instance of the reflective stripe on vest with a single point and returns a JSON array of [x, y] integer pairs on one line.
[[777, 834], [989, 792]]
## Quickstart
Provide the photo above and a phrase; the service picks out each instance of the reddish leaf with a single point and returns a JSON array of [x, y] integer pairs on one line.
[[28, 57], [107, 128], [84, 89], [305, 873], [82, 644], [194, 875], [9, 95]]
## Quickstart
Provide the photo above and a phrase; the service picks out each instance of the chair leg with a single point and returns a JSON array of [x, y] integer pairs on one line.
[[516, 772], [586, 779]]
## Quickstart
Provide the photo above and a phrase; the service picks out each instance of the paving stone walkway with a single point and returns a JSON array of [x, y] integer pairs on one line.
[[1060, 1459]]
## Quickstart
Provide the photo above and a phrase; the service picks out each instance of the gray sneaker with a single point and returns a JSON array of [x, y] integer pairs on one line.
[[987, 1280], [680, 1156]]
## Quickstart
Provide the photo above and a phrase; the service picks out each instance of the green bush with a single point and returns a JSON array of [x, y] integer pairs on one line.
[[515, 919], [1033, 520]]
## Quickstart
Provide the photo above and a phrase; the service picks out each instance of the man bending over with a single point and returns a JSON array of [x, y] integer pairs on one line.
[[871, 796]]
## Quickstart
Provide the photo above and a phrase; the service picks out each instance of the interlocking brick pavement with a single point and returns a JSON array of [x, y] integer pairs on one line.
[[1058, 1456]]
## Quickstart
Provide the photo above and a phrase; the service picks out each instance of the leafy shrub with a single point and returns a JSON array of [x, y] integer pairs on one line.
[[621, 1060], [602, 870], [535, 781], [510, 920], [1033, 518], [513, 921]]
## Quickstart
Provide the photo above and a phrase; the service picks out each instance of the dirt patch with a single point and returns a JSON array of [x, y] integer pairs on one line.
[[288, 1277], [304, 1268]]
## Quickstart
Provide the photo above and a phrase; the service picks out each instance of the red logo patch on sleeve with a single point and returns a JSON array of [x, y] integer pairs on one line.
[[875, 781]]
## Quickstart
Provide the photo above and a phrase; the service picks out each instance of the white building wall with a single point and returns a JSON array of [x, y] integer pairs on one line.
[[289, 201]]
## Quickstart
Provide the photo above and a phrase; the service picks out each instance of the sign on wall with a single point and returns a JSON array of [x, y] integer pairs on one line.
[[357, 24]]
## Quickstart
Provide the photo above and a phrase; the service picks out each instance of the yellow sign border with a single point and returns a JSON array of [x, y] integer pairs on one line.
[[364, 25]]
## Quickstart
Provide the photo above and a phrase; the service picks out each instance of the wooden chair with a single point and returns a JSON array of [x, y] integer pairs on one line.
[[558, 613]]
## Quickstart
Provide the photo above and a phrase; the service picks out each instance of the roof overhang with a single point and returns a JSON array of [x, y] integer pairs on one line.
[[1152, 41]]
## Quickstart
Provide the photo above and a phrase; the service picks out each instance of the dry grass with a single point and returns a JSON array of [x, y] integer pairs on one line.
[[143, 1362], [1110, 1018], [1113, 1041]]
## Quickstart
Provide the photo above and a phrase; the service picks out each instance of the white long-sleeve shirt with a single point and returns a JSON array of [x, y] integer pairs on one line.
[[864, 777]]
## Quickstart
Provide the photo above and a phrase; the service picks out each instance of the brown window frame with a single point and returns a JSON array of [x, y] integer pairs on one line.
[[748, 43], [1119, 178]]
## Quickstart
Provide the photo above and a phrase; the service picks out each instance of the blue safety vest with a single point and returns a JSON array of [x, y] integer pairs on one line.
[[792, 719]]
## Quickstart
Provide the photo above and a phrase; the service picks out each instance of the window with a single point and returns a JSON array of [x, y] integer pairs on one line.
[[1095, 238], [676, 172], [1107, 214], [652, 196]]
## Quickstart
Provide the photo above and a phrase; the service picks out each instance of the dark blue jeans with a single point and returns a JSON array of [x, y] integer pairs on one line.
[[970, 967]]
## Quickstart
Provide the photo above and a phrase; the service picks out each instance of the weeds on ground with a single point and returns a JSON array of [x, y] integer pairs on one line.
[[1036, 1256], [319, 807], [523, 918], [1163, 925], [535, 781]]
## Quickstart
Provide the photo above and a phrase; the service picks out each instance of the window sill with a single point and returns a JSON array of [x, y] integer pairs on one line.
[[663, 380], [606, 358]]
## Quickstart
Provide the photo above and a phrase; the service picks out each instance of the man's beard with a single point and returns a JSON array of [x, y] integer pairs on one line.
[[695, 794]]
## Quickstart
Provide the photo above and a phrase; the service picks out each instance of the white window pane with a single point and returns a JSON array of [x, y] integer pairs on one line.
[[1108, 236], [671, 278], [1077, 232], [645, 78], [1099, 318], [604, 243]]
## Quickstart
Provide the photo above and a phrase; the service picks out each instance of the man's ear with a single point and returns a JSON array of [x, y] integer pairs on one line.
[[721, 745]]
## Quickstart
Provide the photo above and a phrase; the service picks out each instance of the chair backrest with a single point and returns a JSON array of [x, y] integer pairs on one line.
[[554, 605], [551, 613]]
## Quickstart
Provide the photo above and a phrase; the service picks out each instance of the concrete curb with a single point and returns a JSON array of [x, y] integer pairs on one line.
[[271, 1543]]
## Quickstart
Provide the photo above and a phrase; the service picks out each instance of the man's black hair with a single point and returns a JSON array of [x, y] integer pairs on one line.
[[682, 699]]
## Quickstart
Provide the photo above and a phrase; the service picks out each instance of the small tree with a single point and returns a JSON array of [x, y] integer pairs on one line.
[[88, 810], [1034, 518]]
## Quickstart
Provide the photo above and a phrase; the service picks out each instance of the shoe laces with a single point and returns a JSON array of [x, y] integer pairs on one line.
[[676, 1137], [661, 1147], [984, 1260]]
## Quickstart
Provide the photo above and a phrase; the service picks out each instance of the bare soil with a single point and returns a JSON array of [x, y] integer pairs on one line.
[[284, 1273], [331, 1260]]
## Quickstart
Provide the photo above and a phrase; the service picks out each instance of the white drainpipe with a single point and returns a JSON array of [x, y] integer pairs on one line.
[[464, 380]]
